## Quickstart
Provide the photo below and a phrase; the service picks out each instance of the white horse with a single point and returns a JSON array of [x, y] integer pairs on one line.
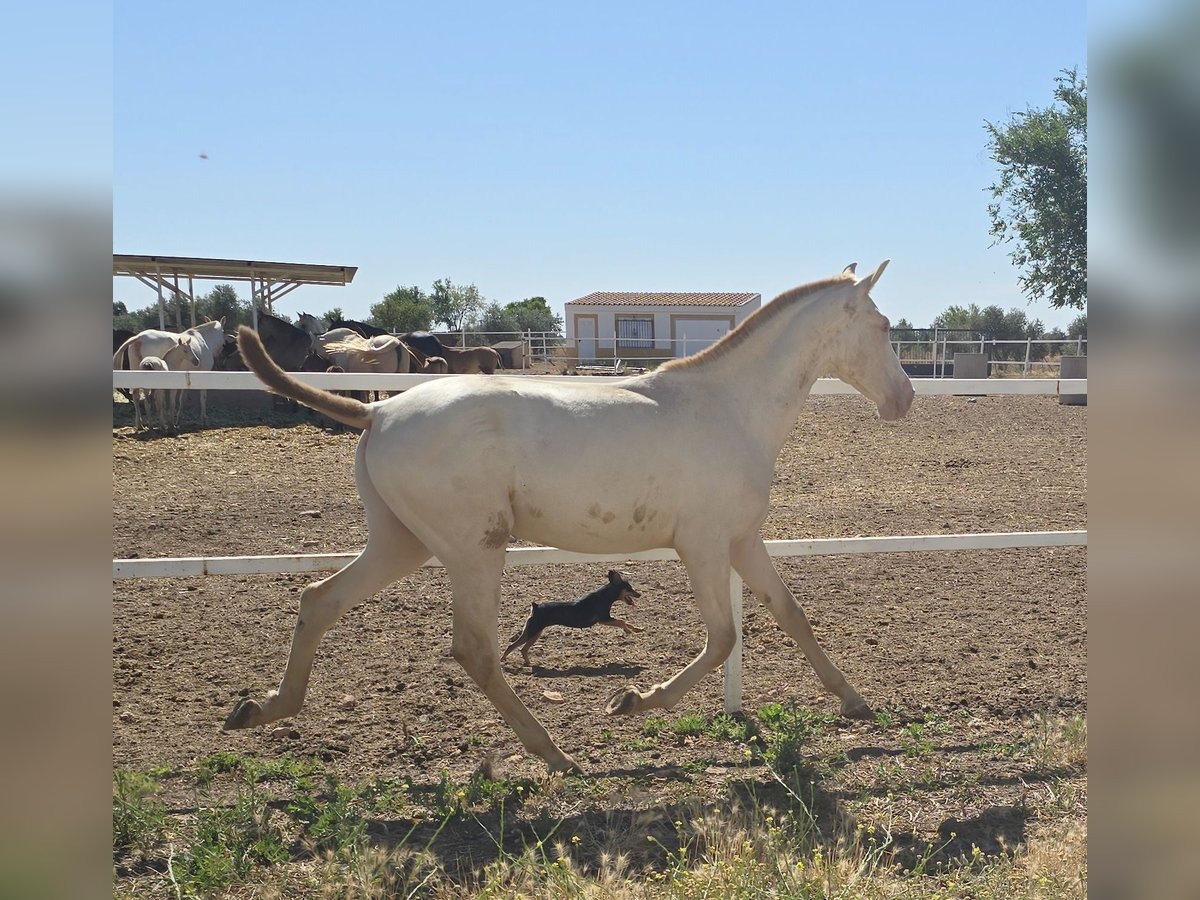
[[454, 466], [194, 349], [153, 342], [150, 364], [354, 353]]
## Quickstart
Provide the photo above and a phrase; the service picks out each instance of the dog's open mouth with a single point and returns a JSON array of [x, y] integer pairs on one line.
[[630, 596]]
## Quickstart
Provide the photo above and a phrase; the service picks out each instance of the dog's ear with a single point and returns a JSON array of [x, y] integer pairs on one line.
[[614, 576]]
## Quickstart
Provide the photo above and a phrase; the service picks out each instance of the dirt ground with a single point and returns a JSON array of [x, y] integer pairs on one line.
[[982, 640]]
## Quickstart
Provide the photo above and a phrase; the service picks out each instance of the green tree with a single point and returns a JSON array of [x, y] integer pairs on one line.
[[497, 324], [223, 300], [1078, 327], [404, 309], [902, 324], [455, 305], [335, 314], [1039, 202], [534, 314], [992, 322]]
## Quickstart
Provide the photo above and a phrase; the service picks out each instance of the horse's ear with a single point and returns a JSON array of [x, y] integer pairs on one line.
[[222, 321], [850, 268], [871, 280]]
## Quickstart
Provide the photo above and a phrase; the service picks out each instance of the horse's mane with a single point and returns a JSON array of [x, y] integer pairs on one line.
[[758, 319]]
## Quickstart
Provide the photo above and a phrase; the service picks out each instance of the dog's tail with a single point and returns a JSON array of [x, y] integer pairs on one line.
[[346, 410]]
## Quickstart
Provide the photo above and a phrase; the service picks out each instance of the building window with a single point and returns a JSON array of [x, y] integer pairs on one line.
[[635, 332]]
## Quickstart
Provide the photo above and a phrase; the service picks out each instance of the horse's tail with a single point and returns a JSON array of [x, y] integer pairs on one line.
[[346, 410], [121, 357]]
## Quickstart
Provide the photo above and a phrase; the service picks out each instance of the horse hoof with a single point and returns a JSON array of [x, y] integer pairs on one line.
[[243, 715], [857, 708], [564, 764], [624, 702]]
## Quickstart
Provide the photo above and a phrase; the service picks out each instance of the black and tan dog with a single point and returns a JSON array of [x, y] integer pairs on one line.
[[593, 609]]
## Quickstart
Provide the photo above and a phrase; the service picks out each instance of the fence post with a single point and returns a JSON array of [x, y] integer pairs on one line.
[[733, 664], [1028, 347]]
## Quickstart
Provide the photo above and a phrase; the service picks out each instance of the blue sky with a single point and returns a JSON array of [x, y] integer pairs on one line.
[[560, 149]]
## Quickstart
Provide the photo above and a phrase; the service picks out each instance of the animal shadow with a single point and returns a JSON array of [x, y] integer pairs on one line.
[[626, 670]]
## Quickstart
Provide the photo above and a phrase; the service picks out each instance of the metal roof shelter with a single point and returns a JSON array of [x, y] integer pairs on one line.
[[268, 280]]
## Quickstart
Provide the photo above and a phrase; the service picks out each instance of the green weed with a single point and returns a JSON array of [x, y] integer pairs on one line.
[[138, 821]]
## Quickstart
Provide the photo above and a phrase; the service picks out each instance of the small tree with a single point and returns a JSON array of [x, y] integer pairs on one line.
[[223, 300], [455, 305], [1039, 203], [497, 323], [404, 309], [534, 314], [1078, 327]]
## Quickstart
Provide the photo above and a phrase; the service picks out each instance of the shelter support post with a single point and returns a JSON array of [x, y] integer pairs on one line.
[[253, 304], [162, 315]]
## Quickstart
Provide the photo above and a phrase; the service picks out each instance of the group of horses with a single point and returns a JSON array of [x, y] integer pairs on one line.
[[317, 345]]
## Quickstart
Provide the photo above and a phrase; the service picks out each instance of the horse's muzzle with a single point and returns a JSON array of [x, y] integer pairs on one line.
[[898, 405]]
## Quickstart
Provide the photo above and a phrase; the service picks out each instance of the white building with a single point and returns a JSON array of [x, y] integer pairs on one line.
[[632, 325]]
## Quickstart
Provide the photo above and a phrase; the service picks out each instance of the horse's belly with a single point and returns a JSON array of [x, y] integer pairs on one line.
[[594, 528]]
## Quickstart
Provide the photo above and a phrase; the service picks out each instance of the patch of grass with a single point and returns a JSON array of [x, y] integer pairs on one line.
[[332, 820], [740, 729], [1059, 743], [640, 744], [284, 768], [386, 795], [653, 726], [138, 821], [689, 725], [206, 768], [228, 843], [914, 740], [451, 799], [788, 731]]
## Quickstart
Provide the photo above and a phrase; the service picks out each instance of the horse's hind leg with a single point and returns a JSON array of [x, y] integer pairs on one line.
[[392, 552], [475, 581], [753, 563]]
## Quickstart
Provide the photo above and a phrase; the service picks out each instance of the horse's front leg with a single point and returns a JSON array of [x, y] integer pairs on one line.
[[708, 571], [753, 563]]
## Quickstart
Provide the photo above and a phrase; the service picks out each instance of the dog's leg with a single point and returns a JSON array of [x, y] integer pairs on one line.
[[529, 643], [523, 636], [622, 624]]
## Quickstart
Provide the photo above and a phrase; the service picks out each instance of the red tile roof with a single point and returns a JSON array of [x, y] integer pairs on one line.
[[642, 298]]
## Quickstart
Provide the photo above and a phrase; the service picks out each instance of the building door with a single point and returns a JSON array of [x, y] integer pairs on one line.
[[585, 339], [693, 335]]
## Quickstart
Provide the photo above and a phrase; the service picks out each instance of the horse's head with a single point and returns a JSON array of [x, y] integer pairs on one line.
[[861, 352], [314, 326]]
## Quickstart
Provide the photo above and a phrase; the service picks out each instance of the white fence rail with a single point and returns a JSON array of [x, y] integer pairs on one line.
[[347, 381]]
